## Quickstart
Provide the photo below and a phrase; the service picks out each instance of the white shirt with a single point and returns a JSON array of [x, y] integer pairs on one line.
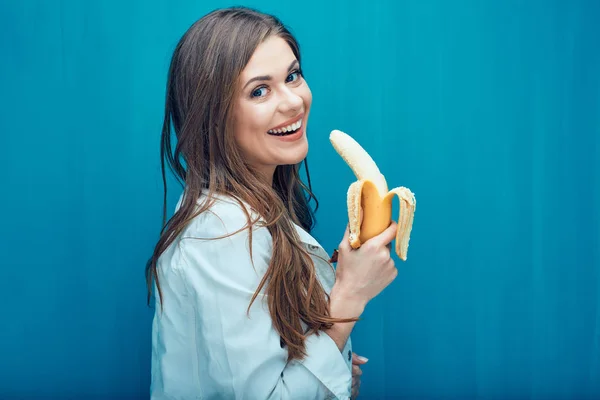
[[206, 346]]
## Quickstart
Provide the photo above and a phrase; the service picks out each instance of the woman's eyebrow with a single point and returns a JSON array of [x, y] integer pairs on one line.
[[269, 77]]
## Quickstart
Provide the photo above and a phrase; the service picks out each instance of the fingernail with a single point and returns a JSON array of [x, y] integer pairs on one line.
[[362, 359], [334, 257]]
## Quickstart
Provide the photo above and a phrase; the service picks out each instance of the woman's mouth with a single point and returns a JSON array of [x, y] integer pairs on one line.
[[286, 130]]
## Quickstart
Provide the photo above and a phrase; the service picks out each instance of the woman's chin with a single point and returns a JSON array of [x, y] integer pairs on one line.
[[293, 155], [299, 156]]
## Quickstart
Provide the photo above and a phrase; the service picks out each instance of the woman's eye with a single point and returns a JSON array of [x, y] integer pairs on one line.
[[259, 92], [294, 76]]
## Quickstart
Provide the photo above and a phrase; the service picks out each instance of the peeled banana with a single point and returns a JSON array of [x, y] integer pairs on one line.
[[370, 195]]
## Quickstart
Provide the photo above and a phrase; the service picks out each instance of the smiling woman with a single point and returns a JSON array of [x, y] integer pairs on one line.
[[247, 304], [270, 115]]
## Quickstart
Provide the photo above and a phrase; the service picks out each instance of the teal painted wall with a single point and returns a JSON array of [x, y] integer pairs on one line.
[[488, 111]]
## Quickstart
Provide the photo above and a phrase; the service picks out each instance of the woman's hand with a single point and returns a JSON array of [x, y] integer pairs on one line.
[[362, 273], [356, 373]]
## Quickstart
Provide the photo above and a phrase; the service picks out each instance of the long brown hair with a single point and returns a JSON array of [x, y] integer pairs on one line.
[[201, 89]]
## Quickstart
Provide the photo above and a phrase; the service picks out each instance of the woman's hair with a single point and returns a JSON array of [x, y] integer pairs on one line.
[[200, 96]]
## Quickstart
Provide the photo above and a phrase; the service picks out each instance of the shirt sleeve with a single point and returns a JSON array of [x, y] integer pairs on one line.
[[239, 354]]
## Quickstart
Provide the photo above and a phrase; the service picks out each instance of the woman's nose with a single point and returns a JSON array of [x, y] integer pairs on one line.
[[290, 101]]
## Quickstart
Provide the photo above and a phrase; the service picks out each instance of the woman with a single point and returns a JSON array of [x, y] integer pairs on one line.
[[247, 305]]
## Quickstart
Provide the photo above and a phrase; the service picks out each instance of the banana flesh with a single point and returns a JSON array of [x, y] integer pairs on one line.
[[370, 195]]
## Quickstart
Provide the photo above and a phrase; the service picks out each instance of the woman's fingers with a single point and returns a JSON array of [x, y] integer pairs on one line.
[[345, 243], [355, 388], [359, 360]]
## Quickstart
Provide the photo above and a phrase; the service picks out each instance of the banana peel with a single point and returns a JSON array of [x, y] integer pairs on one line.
[[370, 196]]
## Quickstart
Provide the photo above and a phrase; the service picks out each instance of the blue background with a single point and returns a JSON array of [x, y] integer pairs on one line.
[[488, 110]]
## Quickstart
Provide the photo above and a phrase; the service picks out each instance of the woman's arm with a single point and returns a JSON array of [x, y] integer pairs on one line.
[[342, 306], [239, 355]]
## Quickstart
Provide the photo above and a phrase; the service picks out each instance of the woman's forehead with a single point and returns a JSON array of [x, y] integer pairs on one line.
[[272, 57]]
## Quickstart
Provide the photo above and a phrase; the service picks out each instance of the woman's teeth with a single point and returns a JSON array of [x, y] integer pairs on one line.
[[287, 129]]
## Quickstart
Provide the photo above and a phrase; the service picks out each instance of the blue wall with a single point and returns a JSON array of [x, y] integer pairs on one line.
[[488, 111]]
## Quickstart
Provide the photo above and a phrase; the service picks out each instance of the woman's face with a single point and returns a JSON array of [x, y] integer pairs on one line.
[[271, 110]]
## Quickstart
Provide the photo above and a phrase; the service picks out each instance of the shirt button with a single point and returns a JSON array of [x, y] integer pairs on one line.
[[312, 247], [349, 355]]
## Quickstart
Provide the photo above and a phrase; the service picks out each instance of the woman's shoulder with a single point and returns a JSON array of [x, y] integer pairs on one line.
[[218, 236], [222, 214]]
